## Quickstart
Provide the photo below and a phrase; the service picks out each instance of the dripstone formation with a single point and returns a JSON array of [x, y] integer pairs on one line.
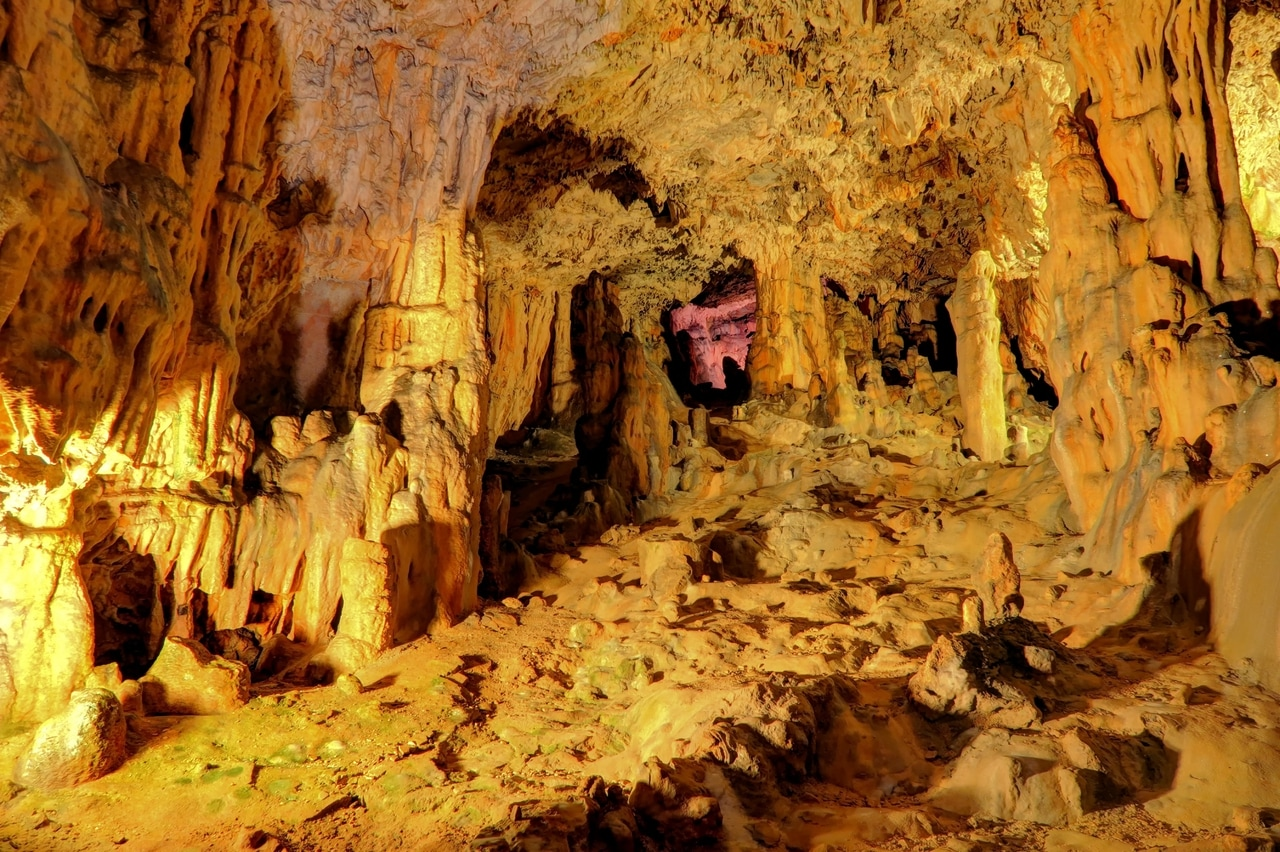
[[757, 424]]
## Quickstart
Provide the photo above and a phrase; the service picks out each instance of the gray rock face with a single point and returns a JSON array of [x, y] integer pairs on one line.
[[83, 742]]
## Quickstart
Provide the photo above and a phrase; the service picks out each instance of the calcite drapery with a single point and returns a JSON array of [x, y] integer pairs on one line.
[[792, 349], [791, 354]]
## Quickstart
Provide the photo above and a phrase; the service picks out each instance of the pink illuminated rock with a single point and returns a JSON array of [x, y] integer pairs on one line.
[[717, 328]]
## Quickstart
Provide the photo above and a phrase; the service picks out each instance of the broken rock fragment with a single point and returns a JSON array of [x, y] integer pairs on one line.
[[187, 680], [239, 644], [990, 675], [667, 566]]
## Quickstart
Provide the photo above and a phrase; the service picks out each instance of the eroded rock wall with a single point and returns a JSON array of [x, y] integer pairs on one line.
[[198, 200], [1152, 280], [125, 229], [215, 218]]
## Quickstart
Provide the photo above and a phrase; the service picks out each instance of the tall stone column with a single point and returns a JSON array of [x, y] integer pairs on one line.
[[426, 374], [792, 350], [975, 313]]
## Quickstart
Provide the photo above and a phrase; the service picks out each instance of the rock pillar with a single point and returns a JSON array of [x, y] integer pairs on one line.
[[426, 374], [975, 313], [791, 352]]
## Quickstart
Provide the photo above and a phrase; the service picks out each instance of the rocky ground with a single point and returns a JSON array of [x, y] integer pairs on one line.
[[829, 648]]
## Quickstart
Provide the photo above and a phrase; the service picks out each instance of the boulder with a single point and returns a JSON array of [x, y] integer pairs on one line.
[[279, 654], [187, 680], [1012, 776], [667, 565], [83, 742]]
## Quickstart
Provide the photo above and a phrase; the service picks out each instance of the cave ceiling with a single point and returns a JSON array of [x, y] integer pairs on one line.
[[881, 155]]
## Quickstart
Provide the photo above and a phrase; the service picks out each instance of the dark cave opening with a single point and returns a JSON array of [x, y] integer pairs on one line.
[[127, 623], [941, 350], [1037, 386]]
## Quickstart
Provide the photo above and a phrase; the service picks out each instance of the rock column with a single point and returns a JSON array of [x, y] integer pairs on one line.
[[426, 373], [791, 352], [979, 374]]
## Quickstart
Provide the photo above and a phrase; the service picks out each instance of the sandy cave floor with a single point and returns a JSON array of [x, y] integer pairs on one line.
[[487, 735]]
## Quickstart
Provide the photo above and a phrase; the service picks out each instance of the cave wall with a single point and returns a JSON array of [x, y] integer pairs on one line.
[[185, 182], [218, 218], [124, 231], [1152, 280]]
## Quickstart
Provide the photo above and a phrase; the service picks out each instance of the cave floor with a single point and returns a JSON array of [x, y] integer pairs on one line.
[[764, 712]]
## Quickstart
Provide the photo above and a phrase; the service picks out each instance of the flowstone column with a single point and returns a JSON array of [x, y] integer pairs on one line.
[[975, 313], [791, 352], [426, 372]]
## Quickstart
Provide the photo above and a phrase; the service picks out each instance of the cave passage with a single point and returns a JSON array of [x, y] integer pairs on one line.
[[710, 338]]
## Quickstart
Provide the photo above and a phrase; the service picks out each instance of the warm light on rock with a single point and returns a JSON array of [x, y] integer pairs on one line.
[[637, 425]]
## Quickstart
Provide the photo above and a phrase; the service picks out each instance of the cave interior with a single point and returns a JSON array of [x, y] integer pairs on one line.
[[640, 425]]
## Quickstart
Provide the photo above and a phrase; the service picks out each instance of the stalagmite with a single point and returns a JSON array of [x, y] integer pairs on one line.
[[997, 579], [980, 374]]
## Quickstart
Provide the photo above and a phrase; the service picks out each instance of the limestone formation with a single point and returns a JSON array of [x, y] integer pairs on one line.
[[83, 742], [668, 565], [729, 345], [1240, 572], [979, 372], [997, 579], [368, 593], [187, 680], [719, 330]]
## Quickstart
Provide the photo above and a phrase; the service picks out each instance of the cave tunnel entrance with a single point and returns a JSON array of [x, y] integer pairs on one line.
[[128, 621], [710, 338], [940, 349], [1038, 387]]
